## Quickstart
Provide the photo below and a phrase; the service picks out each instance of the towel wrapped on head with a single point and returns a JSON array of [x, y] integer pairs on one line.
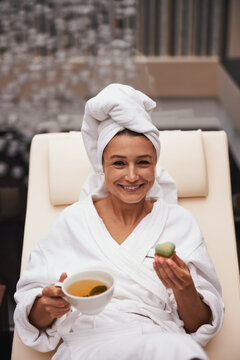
[[115, 108]]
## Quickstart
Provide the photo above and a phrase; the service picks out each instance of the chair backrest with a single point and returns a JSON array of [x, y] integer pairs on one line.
[[197, 160]]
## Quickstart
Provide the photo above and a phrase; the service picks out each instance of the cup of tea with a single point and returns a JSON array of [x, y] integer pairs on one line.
[[88, 291]]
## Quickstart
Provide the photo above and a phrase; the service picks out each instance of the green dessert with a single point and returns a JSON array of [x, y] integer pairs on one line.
[[165, 249]]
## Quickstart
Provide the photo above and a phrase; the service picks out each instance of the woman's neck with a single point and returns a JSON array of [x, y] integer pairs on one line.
[[121, 218], [127, 213]]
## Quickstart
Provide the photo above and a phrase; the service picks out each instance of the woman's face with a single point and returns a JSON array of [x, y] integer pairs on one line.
[[129, 167]]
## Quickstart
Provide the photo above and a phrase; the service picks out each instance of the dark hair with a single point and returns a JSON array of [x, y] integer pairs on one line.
[[128, 132], [124, 132]]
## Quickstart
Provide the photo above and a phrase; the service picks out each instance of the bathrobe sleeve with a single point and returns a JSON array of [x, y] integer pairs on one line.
[[33, 279], [207, 285], [193, 251]]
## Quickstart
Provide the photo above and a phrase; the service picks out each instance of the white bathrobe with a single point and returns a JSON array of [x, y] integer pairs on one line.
[[141, 321]]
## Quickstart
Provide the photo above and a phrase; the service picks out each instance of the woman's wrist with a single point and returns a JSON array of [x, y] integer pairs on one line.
[[191, 308]]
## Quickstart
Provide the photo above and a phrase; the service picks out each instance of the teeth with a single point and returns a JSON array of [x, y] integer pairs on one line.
[[131, 187]]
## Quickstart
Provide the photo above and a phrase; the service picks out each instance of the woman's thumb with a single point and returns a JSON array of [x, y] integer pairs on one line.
[[62, 277]]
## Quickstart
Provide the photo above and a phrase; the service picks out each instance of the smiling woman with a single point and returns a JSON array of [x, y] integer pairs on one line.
[[129, 164], [161, 306]]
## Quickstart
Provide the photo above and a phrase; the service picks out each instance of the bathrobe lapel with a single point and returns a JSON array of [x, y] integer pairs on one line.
[[129, 256]]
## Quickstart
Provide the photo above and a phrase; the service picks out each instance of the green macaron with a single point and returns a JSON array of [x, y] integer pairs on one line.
[[165, 249]]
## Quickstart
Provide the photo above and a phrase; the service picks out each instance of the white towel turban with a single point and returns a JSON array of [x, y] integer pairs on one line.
[[115, 108]]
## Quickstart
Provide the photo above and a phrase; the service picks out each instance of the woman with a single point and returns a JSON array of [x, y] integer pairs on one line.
[[161, 308]]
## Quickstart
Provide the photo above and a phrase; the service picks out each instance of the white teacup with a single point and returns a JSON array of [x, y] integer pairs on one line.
[[93, 304]]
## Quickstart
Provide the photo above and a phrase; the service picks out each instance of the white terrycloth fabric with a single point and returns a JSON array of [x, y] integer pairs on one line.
[[141, 306], [115, 108]]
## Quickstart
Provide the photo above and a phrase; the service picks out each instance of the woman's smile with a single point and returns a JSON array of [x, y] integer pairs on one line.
[[131, 188]]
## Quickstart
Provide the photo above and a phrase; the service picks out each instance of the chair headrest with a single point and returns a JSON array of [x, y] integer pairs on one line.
[[182, 155]]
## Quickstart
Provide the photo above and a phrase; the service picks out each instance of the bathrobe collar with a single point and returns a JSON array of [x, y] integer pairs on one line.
[[126, 256]]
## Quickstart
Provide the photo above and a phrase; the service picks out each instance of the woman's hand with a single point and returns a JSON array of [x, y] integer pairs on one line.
[[174, 274], [49, 306]]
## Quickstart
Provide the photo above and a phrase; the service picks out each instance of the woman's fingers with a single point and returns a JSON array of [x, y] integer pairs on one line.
[[178, 261], [55, 307], [52, 291], [55, 311], [52, 300], [182, 274], [58, 302], [49, 306], [173, 275], [160, 268]]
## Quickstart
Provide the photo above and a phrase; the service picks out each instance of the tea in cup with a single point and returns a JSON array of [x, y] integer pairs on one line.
[[88, 291]]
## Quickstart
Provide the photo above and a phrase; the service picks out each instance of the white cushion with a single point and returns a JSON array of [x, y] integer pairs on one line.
[[68, 168], [182, 155]]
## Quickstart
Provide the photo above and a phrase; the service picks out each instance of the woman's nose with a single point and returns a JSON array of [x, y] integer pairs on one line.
[[132, 174]]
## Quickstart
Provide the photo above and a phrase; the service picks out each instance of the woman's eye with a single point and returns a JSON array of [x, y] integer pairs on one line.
[[143, 162], [118, 163]]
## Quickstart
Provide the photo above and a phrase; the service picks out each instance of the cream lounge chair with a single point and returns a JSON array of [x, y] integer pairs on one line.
[[197, 160]]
